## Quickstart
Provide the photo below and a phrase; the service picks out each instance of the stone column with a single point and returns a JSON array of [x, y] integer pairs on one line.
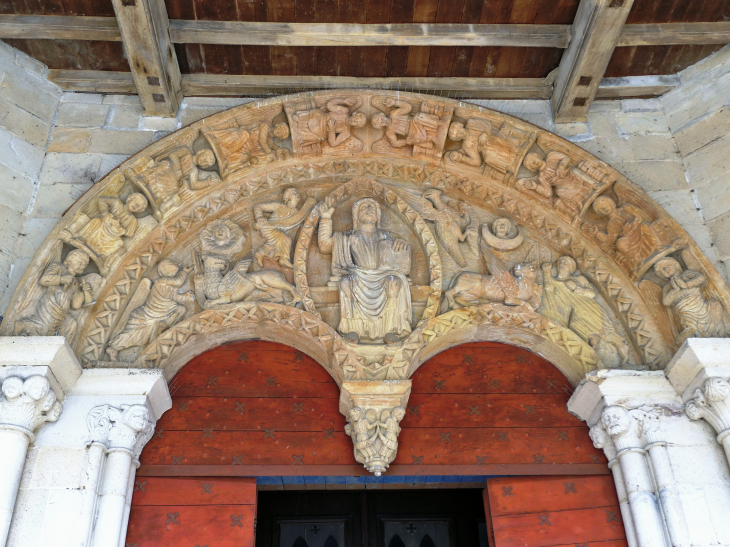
[[603, 441], [35, 375], [126, 430], [666, 484], [624, 430]]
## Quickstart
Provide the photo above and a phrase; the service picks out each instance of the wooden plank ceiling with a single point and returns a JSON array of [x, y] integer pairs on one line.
[[374, 61]]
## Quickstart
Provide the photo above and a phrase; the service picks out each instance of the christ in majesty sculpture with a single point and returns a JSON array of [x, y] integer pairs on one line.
[[375, 297]]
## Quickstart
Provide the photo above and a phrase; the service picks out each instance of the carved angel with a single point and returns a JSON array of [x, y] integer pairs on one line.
[[452, 226], [60, 291], [156, 307]]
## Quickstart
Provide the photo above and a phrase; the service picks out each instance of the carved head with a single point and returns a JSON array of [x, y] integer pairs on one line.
[[371, 415], [222, 237], [604, 206], [534, 162], [12, 388], [135, 417], [502, 228], [36, 387], [398, 413], [76, 261], [365, 211], [667, 268], [55, 412], [616, 420], [434, 195], [716, 389], [205, 159], [384, 415], [46, 403], [566, 267], [136, 203], [379, 120], [599, 436], [358, 119], [214, 263], [167, 268], [292, 197], [355, 414], [281, 131], [457, 132]]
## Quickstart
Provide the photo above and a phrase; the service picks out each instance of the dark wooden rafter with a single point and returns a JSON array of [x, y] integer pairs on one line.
[[596, 31], [59, 27], [144, 28]]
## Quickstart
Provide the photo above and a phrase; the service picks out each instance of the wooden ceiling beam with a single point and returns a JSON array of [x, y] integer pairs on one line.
[[596, 31], [58, 27], [144, 28], [92, 81]]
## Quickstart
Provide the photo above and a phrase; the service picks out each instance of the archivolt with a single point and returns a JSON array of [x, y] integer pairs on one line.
[[495, 164]]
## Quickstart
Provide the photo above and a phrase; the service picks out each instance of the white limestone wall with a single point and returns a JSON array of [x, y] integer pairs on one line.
[[673, 147]]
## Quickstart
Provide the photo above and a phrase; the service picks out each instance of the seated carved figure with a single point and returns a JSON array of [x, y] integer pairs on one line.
[[375, 298], [468, 289], [698, 316], [238, 147], [331, 125]]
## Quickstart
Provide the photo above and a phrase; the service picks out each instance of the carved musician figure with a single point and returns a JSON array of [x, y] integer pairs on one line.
[[375, 298], [331, 125]]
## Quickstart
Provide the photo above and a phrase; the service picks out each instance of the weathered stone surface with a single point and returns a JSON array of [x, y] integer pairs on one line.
[[655, 175], [82, 115], [154, 123], [23, 124], [71, 168], [125, 116], [89, 98], [704, 131], [29, 96], [20, 155], [709, 163], [72, 140], [11, 224], [715, 197], [642, 123], [109, 141], [35, 231], [720, 228], [53, 200], [16, 189]]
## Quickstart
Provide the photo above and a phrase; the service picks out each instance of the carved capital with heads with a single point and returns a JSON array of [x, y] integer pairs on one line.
[[374, 410], [711, 403], [27, 403], [127, 427], [602, 440], [623, 426]]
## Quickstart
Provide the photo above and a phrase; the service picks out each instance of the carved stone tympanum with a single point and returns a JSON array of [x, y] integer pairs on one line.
[[373, 229]]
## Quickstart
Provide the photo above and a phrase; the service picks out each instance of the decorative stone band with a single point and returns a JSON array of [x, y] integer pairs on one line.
[[711, 403]]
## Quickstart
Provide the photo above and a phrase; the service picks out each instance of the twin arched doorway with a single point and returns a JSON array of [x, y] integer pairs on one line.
[[258, 415]]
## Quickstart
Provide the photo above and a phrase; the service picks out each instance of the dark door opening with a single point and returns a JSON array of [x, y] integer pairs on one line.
[[377, 518]]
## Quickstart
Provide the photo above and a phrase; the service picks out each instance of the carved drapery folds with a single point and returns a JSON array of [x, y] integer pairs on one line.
[[376, 227], [28, 403]]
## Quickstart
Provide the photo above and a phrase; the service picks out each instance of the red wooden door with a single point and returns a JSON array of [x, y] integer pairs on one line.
[[173, 512], [571, 511]]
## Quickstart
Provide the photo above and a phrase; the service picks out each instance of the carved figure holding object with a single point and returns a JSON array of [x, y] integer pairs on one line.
[[697, 316], [161, 308], [566, 188], [452, 226], [238, 147], [278, 229], [569, 299], [425, 131], [331, 124], [375, 298], [63, 289]]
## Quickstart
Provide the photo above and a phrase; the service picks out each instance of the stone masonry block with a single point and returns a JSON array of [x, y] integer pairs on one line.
[[680, 204], [696, 100], [155, 123], [603, 123], [640, 105], [703, 131], [125, 117], [20, 155], [121, 142], [70, 139], [709, 163], [642, 123], [23, 124], [71, 168], [89, 98], [82, 115], [609, 149], [29, 64], [715, 197], [16, 189], [125, 100], [191, 115], [222, 103], [53, 200], [109, 162], [11, 224], [20, 265], [573, 130], [720, 231], [654, 147], [29, 96], [654, 175], [35, 232]]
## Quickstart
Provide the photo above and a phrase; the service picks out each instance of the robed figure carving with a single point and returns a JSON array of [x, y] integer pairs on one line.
[[375, 298]]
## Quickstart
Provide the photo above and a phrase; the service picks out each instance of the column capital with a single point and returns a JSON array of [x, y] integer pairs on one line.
[[711, 403], [126, 428], [696, 361], [27, 403]]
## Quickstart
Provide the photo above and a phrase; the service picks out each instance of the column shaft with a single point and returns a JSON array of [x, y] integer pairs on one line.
[[91, 483], [128, 502], [644, 507], [13, 450], [113, 498], [668, 497], [623, 500]]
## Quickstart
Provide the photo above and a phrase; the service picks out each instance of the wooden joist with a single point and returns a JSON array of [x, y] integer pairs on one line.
[[92, 81], [55, 27], [144, 27], [337, 34], [596, 30]]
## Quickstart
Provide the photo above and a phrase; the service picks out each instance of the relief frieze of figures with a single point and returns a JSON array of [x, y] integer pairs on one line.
[[385, 255]]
